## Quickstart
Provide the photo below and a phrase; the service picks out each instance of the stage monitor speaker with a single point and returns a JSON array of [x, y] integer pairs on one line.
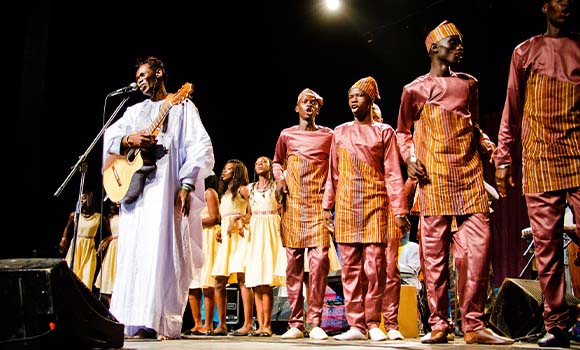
[[234, 307], [44, 303], [517, 311]]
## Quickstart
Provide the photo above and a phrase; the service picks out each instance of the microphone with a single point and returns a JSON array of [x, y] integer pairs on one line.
[[124, 90]]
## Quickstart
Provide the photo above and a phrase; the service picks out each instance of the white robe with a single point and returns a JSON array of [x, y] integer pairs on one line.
[[157, 250]]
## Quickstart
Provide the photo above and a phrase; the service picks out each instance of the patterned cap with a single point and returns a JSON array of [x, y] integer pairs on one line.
[[310, 92], [369, 86], [442, 31]]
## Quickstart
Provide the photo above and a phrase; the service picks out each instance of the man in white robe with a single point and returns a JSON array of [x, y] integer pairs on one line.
[[160, 231]]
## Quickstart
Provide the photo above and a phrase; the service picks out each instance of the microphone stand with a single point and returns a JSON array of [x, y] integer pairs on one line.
[[81, 165], [566, 244]]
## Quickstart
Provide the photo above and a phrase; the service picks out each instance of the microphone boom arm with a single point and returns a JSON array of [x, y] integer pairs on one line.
[[84, 156]]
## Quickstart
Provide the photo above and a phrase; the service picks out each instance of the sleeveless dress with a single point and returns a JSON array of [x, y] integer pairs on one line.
[[266, 257], [203, 277], [106, 276], [231, 252], [85, 259]]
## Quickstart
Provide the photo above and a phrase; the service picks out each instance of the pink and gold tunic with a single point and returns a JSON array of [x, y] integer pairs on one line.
[[364, 180], [443, 111], [549, 117], [301, 157]]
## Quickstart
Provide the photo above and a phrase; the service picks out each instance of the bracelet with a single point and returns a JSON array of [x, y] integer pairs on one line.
[[127, 141], [503, 166], [187, 187]]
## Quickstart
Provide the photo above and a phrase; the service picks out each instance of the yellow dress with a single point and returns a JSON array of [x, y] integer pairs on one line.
[[209, 251], [106, 276], [266, 257], [231, 252], [85, 259]]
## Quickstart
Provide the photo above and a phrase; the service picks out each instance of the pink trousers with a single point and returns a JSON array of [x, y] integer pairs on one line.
[[318, 266], [363, 283], [471, 244], [392, 292], [546, 213]]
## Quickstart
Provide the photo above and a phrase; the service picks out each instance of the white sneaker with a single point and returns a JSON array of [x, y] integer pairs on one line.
[[318, 333], [394, 334], [292, 333], [351, 334], [377, 334]]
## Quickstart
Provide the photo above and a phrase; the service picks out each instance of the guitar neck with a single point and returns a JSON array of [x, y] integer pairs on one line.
[[170, 101], [160, 118]]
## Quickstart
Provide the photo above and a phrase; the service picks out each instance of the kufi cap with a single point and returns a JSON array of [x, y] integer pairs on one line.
[[442, 31], [369, 86], [310, 92]]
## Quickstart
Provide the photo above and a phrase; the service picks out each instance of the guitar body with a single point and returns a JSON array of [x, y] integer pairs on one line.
[[118, 173], [124, 176]]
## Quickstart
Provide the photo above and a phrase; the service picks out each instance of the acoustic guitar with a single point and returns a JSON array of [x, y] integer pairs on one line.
[[124, 175]]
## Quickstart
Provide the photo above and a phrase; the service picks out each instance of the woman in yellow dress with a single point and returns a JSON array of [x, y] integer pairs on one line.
[[85, 254], [266, 257], [229, 265], [203, 280]]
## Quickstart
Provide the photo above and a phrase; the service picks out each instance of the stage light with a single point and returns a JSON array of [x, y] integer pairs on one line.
[[332, 5]]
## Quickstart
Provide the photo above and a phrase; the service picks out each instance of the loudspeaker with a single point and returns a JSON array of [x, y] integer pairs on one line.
[[517, 311], [44, 303], [234, 307]]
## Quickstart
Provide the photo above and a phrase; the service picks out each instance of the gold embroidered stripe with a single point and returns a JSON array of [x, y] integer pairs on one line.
[[361, 202], [551, 135], [302, 218], [444, 143]]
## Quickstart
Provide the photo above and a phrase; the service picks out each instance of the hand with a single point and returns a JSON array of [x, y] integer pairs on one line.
[[102, 246], [503, 175], [62, 245], [488, 147], [402, 223], [281, 189], [327, 215], [416, 170], [182, 201], [240, 226], [218, 237], [141, 139], [234, 225]]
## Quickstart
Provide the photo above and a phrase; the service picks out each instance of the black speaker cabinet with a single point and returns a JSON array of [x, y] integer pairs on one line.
[[44, 303], [234, 307], [517, 311]]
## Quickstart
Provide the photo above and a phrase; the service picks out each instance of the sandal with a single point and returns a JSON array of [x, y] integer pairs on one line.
[[239, 333], [189, 332], [215, 333]]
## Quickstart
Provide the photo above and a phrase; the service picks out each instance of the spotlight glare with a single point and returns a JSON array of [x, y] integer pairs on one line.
[[332, 5]]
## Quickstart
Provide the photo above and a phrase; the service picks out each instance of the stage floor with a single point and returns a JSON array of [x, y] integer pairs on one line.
[[275, 342]]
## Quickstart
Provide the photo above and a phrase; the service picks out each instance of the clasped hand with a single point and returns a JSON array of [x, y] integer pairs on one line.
[[143, 139], [416, 170]]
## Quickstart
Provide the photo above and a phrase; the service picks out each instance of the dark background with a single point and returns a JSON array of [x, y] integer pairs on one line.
[[247, 60]]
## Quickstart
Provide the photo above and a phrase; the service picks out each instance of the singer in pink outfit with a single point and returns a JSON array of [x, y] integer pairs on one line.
[[442, 108], [300, 168], [364, 180], [543, 106]]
